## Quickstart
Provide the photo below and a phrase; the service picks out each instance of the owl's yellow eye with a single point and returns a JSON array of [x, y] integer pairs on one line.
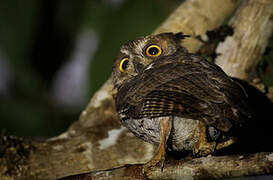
[[153, 50], [123, 64]]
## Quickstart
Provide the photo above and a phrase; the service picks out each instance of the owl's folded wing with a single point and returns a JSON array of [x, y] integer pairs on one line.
[[188, 87]]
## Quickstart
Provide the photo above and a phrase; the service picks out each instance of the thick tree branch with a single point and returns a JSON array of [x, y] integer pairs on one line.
[[196, 17], [198, 168], [253, 26]]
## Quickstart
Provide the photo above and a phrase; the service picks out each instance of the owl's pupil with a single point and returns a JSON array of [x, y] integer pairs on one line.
[[125, 64], [153, 51]]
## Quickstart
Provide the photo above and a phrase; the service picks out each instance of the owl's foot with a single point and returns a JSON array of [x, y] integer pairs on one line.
[[203, 147], [226, 143], [159, 158], [157, 161]]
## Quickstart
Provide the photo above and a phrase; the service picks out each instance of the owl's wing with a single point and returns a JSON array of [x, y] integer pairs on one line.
[[188, 86]]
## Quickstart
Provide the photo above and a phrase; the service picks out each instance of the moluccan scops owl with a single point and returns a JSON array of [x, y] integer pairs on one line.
[[175, 99]]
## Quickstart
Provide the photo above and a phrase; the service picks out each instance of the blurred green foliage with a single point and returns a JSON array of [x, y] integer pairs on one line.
[[38, 37]]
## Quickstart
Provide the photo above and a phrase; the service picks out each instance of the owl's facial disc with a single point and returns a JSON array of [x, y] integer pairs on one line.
[[140, 54], [124, 68]]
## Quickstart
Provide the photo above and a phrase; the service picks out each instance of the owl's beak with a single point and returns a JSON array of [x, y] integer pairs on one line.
[[138, 67]]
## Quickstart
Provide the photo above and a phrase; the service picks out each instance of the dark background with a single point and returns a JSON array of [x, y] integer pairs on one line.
[[54, 54]]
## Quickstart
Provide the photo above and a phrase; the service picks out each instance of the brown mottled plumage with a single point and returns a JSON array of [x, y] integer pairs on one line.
[[177, 85]]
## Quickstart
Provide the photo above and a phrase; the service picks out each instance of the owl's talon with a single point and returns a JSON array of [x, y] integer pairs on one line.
[[162, 164], [203, 147], [155, 162]]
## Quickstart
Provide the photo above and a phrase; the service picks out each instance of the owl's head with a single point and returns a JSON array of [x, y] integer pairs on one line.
[[136, 55]]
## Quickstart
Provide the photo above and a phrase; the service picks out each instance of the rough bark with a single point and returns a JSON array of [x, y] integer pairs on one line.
[[198, 168], [196, 17], [97, 140], [253, 26]]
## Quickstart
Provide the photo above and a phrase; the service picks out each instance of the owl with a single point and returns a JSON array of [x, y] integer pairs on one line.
[[174, 99]]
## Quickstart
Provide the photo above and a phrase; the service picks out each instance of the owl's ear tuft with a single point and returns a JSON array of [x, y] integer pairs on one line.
[[180, 36]]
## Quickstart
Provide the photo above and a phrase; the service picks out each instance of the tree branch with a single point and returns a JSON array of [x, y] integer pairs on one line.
[[196, 17], [253, 26], [193, 169], [240, 53]]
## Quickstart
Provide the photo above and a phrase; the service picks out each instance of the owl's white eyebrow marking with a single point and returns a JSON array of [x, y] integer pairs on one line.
[[124, 51], [134, 48], [140, 45]]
